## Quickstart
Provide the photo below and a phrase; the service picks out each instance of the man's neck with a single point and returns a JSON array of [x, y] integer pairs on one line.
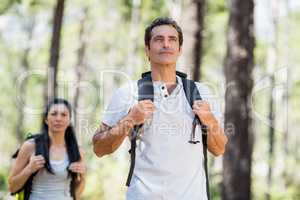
[[166, 73]]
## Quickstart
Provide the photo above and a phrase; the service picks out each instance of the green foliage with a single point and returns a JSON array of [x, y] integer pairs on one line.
[[6, 5], [217, 7], [3, 180]]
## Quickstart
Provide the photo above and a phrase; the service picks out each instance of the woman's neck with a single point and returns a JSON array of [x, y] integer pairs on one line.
[[57, 139]]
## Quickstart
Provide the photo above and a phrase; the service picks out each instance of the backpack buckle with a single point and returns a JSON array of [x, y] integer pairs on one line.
[[193, 134]]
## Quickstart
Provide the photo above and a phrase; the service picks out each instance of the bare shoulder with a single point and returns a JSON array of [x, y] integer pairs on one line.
[[28, 147], [25, 151]]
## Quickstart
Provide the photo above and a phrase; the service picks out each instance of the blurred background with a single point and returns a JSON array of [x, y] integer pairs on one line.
[[247, 51]]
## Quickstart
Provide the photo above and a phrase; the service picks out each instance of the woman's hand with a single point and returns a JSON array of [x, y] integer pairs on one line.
[[79, 168], [36, 163]]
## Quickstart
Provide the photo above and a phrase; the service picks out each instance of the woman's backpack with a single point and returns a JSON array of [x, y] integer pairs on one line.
[[24, 192]]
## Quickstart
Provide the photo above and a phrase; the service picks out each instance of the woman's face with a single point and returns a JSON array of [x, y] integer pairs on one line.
[[58, 118]]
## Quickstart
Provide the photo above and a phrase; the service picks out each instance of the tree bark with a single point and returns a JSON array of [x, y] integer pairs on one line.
[[22, 92], [51, 91], [271, 139], [198, 46], [133, 36], [80, 68], [192, 21], [238, 67], [271, 67], [286, 64]]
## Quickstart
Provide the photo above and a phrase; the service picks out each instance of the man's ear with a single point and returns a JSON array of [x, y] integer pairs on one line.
[[147, 51], [180, 50], [46, 121]]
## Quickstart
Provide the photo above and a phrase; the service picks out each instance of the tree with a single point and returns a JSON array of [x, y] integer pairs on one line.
[[54, 51], [238, 66], [193, 26], [7, 4], [272, 63], [80, 65], [198, 47], [24, 67]]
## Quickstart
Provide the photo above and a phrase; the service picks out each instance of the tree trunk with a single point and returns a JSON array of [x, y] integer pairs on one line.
[[133, 35], [198, 47], [51, 91], [192, 21], [22, 92], [286, 64], [80, 68], [271, 138], [271, 67], [239, 64]]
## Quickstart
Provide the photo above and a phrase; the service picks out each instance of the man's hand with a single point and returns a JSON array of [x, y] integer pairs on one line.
[[141, 111], [202, 110], [216, 140]]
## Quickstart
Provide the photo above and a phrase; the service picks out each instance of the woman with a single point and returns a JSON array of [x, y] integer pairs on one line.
[[52, 161]]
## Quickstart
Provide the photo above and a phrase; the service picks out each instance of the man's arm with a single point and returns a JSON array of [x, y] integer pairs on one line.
[[216, 138], [107, 139]]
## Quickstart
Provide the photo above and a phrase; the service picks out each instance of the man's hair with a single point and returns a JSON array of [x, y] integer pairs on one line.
[[162, 21]]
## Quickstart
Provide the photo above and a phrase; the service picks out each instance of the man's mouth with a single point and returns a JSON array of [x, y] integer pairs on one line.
[[166, 52], [58, 125]]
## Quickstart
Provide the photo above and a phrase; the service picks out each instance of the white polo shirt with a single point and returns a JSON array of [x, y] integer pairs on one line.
[[167, 166]]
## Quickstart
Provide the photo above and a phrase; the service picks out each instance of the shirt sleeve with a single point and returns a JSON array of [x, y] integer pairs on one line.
[[121, 102], [214, 100]]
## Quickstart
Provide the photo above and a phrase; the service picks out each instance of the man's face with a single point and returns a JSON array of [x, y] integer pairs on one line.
[[164, 46]]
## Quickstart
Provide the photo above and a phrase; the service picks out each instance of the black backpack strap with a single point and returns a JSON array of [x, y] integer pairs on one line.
[[192, 94], [28, 184], [39, 150], [145, 91], [178, 73]]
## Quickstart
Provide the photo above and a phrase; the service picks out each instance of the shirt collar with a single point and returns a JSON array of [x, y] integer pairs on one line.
[[160, 88]]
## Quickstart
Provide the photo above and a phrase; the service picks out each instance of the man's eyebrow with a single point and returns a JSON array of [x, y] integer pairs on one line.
[[161, 36], [158, 36], [173, 37]]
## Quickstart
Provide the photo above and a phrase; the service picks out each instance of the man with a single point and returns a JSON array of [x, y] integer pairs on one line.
[[167, 166]]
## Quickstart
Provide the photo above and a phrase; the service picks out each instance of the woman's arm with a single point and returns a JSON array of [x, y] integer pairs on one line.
[[79, 168], [25, 164]]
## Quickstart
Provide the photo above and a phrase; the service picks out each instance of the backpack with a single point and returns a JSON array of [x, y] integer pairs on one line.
[[24, 192], [146, 92]]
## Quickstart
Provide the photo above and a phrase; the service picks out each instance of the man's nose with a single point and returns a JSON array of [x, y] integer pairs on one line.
[[166, 43]]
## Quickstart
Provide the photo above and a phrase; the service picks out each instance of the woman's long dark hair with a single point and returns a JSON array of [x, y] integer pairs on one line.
[[70, 140]]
